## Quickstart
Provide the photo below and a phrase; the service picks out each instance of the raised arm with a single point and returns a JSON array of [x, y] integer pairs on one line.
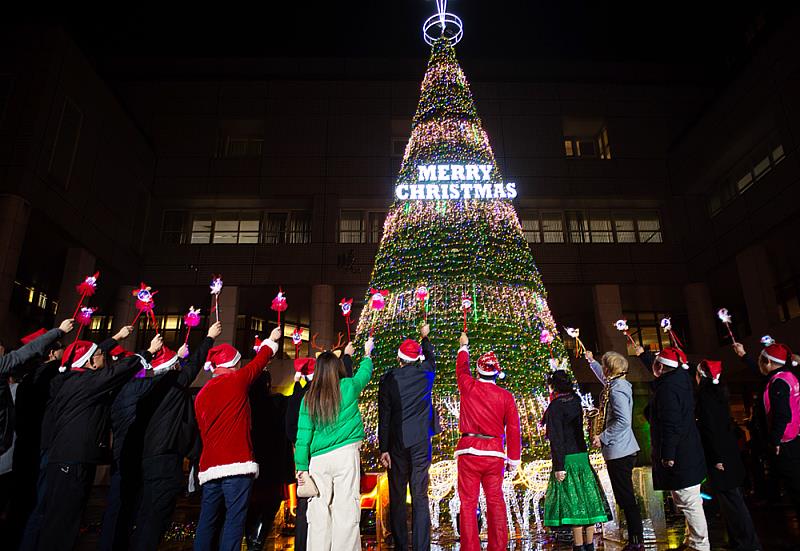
[[429, 363], [748, 360], [117, 374], [463, 375], [110, 343], [596, 368], [198, 358], [37, 347], [269, 347], [364, 374]]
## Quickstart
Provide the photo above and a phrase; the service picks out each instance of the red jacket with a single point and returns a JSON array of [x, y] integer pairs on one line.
[[223, 417], [489, 410]]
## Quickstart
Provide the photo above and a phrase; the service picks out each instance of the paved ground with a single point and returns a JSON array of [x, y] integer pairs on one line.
[[777, 526]]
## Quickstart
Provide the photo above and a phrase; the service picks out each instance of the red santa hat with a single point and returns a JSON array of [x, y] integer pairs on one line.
[[117, 353], [33, 336], [489, 365], [304, 367], [778, 354], [410, 351], [711, 369], [164, 360], [77, 355], [222, 355], [672, 357]]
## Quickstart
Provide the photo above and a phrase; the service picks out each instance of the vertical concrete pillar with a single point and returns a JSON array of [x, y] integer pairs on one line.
[[322, 312], [14, 215], [124, 310], [702, 318], [607, 310], [758, 288], [79, 264]]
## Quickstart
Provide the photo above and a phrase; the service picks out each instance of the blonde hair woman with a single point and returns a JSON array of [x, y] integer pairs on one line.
[[617, 441]]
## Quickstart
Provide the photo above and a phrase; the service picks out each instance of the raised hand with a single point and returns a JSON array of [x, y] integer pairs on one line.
[[276, 334], [123, 333], [156, 344], [463, 340], [739, 349], [349, 349], [425, 330], [368, 347], [639, 350], [67, 325], [183, 351], [215, 330], [589, 355]]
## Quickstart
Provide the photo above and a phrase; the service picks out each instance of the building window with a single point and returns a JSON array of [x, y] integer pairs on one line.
[[645, 330], [235, 228], [36, 298], [788, 298], [243, 147], [543, 227], [226, 228], [299, 231], [604, 227], [173, 227], [357, 226], [287, 227], [586, 138], [201, 229], [65, 145], [747, 172], [99, 329]]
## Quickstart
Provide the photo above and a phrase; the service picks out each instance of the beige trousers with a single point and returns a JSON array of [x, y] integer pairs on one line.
[[689, 502], [334, 516]]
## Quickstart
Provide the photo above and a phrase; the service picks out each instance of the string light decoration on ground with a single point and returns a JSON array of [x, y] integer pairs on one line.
[[458, 248]]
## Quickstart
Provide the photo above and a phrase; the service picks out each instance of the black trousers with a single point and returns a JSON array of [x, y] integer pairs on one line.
[[122, 502], [787, 467], [741, 531], [301, 525], [265, 501], [67, 487], [162, 483], [410, 468], [620, 472]]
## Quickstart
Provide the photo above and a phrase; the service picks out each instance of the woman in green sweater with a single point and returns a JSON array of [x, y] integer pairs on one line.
[[329, 435]]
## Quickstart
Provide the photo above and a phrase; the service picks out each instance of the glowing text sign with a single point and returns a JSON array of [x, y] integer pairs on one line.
[[455, 182]]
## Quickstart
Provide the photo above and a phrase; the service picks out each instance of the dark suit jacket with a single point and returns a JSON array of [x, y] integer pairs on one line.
[[405, 411], [719, 440]]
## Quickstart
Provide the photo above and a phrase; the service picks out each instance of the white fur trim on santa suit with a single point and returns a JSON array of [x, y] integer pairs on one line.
[[488, 373], [490, 381], [232, 469], [268, 342], [464, 348], [482, 453], [514, 462]]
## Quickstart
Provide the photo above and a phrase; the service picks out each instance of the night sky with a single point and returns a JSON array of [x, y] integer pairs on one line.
[[714, 35]]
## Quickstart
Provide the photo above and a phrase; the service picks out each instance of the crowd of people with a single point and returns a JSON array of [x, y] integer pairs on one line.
[[64, 410]]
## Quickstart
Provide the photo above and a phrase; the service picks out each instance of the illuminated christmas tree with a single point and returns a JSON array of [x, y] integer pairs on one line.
[[452, 239]]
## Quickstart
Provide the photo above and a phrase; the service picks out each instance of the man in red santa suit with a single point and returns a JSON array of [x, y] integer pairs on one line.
[[227, 464], [490, 443]]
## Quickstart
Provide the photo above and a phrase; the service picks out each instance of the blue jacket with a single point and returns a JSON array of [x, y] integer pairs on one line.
[[618, 439]]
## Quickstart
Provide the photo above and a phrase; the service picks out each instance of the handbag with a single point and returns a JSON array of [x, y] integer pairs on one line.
[[307, 488]]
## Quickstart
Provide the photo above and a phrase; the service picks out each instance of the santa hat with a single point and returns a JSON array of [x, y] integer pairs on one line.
[[222, 355], [76, 355], [672, 357], [778, 354], [711, 369], [117, 353], [410, 351], [304, 367], [33, 336], [489, 365], [164, 360]]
